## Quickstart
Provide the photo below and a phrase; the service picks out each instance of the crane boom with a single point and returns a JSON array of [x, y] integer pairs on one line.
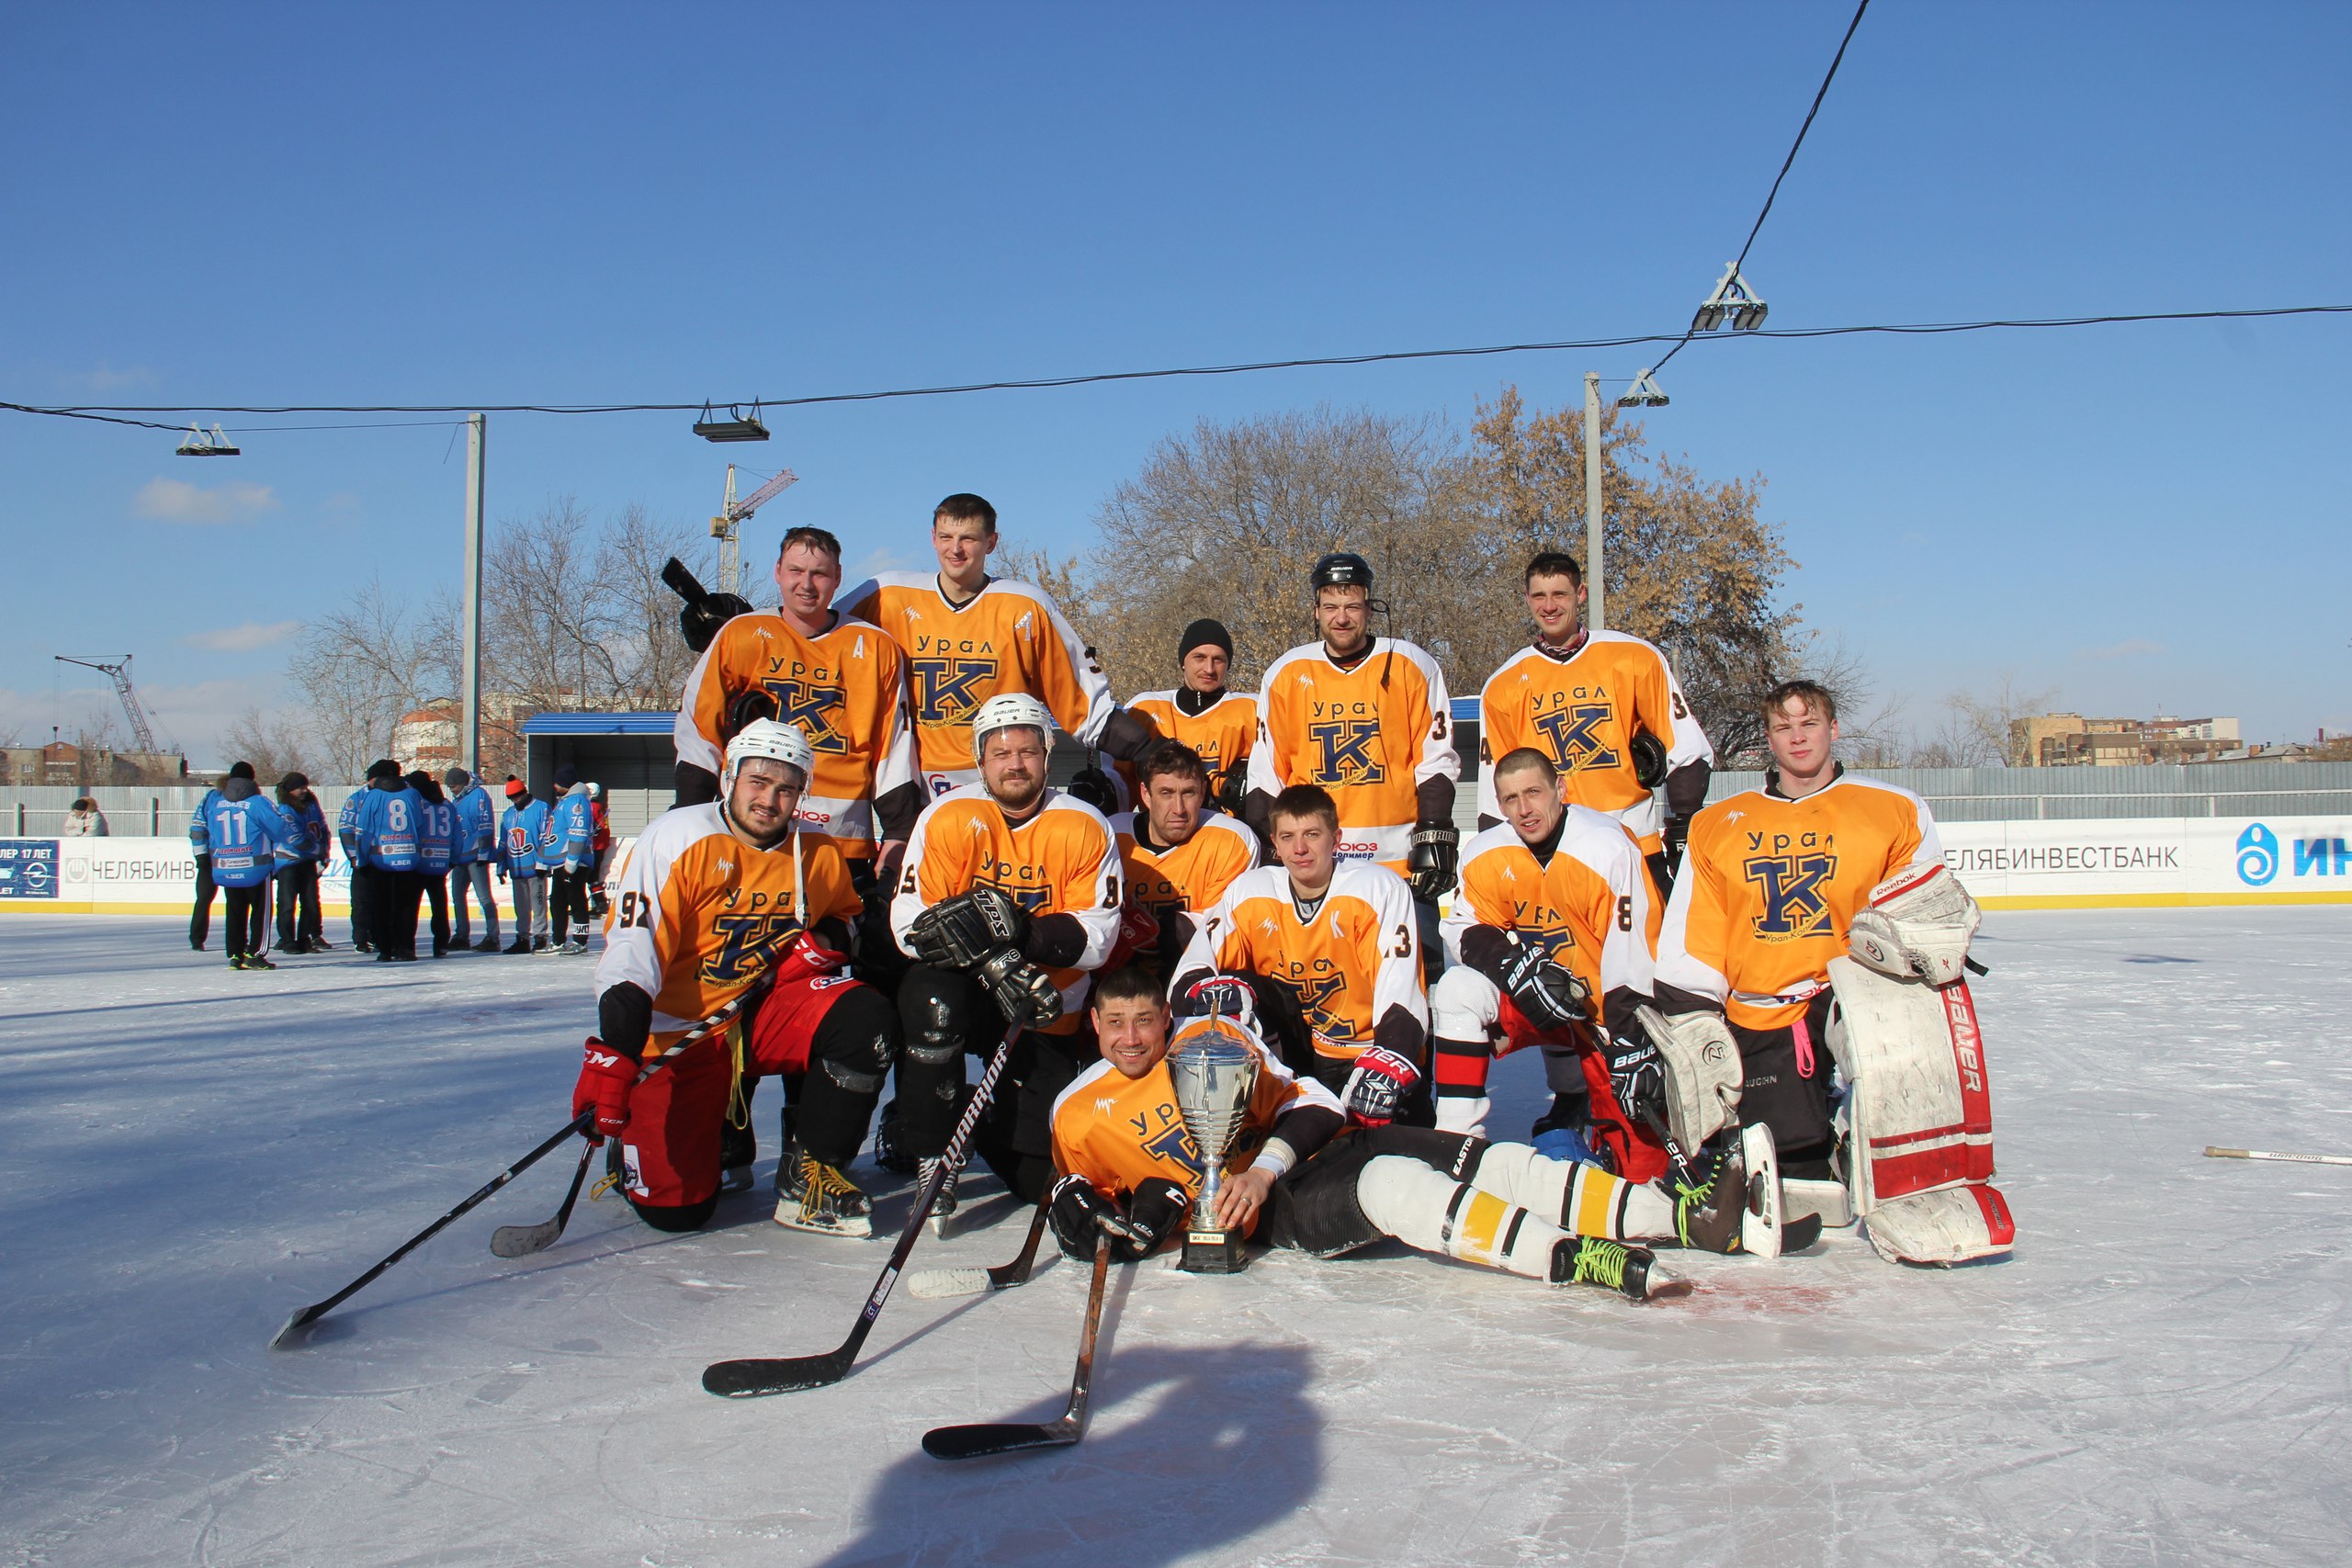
[[141, 736], [762, 496]]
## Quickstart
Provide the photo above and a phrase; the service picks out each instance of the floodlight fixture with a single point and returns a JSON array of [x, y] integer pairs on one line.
[[736, 427], [1644, 393], [196, 443], [1735, 301]]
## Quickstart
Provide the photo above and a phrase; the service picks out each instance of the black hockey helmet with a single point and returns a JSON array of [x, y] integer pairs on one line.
[[1340, 568]]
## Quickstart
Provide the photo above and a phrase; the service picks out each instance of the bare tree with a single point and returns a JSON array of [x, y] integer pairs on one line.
[[360, 667], [274, 743]]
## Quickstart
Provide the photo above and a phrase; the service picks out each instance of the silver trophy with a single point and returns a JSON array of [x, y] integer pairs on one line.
[[1213, 1069]]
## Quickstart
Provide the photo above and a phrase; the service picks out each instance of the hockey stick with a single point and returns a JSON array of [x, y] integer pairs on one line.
[[983, 1438], [304, 1317], [2212, 1153], [931, 1283], [750, 1377], [520, 1241]]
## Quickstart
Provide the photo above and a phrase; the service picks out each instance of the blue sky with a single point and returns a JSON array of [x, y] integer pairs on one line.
[[495, 204]]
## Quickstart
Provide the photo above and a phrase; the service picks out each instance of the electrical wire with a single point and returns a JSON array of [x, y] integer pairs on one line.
[[116, 413]]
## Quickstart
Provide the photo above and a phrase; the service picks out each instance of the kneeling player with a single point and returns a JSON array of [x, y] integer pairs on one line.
[[711, 895], [1130, 1168], [1178, 855]]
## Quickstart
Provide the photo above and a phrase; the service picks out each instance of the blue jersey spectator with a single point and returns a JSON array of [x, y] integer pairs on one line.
[[243, 830]]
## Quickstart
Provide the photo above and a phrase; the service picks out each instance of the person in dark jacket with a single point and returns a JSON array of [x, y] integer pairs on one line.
[[363, 878], [244, 831], [387, 831], [300, 856], [436, 840]]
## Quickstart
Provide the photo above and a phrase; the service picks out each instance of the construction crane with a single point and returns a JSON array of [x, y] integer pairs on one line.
[[731, 512], [142, 738]]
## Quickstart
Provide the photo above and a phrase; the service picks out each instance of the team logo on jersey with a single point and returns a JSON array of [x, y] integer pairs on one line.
[[1795, 889], [945, 687], [1317, 989], [1343, 751], [1165, 1138], [747, 930], [1570, 731], [811, 707], [1018, 883]]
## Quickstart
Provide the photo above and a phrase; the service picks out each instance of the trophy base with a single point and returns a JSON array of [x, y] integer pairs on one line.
[[1213, 1252]]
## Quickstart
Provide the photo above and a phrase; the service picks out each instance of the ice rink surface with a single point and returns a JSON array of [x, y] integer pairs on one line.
[[2157, 1376]]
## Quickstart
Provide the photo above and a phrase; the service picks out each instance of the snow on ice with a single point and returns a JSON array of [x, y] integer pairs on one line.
[[2158, 1375]]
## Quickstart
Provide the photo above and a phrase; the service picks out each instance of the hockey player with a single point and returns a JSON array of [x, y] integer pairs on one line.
[[969, 636], [1366, 719], [1327, 953], [837, 678], [386, 832], [363, 878], [1550, 934], [437, 841], [518, 855], [1178, 857], [1606, 709], [300, 856], [564, 838], [473, 854], [1778, 885], [1221, 726], [711, 897], [1130, 1168], [1009, 900], [244, 831]]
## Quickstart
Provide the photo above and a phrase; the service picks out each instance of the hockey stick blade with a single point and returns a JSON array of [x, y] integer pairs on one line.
[[984, 1439], [933, 1283], [520, 1241], [752, 1377], [2212, 1153], [1800, 1233]]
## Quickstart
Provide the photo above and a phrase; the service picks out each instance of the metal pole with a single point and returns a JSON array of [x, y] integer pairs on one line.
[[1592, 561], [469, 700]]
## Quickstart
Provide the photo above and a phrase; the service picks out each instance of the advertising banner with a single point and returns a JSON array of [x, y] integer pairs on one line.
[[2124, 863]]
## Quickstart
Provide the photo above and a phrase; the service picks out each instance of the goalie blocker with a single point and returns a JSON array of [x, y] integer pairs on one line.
[[1917, 1121]]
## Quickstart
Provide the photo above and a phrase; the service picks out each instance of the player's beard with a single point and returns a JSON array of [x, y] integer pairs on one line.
[[1031, 790]]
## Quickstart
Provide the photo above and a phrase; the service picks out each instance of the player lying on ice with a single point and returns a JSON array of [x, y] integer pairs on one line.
[[1301, 1177], [712, 896]]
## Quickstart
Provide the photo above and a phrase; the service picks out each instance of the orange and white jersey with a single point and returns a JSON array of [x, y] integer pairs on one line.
[[1583, 712], [1192, 876], [1351, 958], [1119, 1132], [697, 912], [846, 690], [1369, 735], [1770, 885], [1062, 861], [1008, 637], [1588, 909], [1223, 733]]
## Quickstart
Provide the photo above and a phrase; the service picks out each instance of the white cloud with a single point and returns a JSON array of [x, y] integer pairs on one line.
[[176, 501], [2130, 647], [245, 639], [107, 378]]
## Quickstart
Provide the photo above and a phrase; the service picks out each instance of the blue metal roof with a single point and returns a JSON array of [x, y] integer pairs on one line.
[[1464, 709], [600, 723]]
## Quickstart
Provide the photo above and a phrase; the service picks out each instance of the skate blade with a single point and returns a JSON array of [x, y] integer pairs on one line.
[[1665, 1288], [735, 1179], [790, 1218], [1759, 1222]]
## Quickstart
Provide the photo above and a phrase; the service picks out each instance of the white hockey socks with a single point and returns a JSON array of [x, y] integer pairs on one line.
[[1425, 1209], [1582, 1199]]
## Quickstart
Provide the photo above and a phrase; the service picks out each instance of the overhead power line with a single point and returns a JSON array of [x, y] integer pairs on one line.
[[119, 413]]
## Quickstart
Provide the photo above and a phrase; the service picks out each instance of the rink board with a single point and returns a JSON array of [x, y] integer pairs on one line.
[[2101, 863]]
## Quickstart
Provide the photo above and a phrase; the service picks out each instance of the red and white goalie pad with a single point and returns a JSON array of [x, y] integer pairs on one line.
[[1918, 1117]]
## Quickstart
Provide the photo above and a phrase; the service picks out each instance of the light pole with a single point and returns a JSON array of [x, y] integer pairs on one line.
[[1643, 394], [469, 730]]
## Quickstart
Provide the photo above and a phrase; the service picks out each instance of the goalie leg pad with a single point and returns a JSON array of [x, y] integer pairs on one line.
[[1918, 1110], [1949, 1226]]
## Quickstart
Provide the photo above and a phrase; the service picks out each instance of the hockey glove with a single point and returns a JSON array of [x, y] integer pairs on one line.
[[1024, 995], [963, 931], [1429, 864], [805, 958], [748, 705], [1092, 786], [599, 906], [699, 622], [1918, 926], [1139, 934], [1079, 1213], [1377, 1087], [1649, 759], [1233, 789], [1220, 996], [1551, 997], [606, 1078], [1155, 1209], [1636, 1077]]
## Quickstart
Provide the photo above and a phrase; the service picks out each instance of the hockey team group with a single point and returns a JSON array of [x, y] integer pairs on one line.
[[1752, 1015]]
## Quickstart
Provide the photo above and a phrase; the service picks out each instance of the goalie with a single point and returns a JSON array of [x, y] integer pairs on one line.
[[1781, 883]]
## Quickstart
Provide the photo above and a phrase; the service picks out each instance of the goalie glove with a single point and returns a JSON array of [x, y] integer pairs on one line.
[[1703, 1072], [963, 931], [1918, 926], [1025, 996], [1377, 1087], [1636, 1076], [1429, 864], [1220, 996], [1551, 997]]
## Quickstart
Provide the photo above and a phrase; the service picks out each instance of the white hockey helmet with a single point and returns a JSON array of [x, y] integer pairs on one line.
[[1010, 710], [595, 789], [765, 737]]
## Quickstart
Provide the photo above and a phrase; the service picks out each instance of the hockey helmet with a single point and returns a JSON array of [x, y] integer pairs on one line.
[[777, 742], [1340, 568], [1010, 710]]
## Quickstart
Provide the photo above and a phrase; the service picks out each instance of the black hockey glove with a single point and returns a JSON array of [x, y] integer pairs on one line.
[[704, 612], [1079, 1213], [1428, 865], [1092, 786], [1156, 1208], [963, 931], [1023, 993], [1649, 760], [1551, 995], [1219, 996], [1233, 789], [1637, 1077], [747, 707]]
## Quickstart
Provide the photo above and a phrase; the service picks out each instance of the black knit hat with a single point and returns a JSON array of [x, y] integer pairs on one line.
[[240, 770], [1204, 633], [383, 768]]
